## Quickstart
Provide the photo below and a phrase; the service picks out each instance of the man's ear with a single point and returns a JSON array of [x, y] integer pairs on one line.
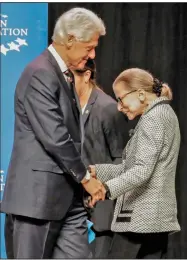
[[70, 40]]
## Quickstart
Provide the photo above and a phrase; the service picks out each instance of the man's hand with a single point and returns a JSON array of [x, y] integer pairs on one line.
[[98, 197], [96, 189], [93, 186], [91, 169], [92, 200]]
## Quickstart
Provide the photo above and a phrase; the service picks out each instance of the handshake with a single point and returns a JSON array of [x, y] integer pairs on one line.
[[94, 187]]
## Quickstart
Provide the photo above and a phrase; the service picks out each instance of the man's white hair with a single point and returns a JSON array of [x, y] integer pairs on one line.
[[79, 22]]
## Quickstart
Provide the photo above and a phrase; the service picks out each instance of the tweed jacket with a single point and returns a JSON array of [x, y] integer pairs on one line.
[[144, 184]]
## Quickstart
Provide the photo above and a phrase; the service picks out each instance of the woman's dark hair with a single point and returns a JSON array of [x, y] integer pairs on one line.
[[90, 65]]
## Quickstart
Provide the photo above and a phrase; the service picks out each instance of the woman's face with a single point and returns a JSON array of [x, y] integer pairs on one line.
[[131, 103]]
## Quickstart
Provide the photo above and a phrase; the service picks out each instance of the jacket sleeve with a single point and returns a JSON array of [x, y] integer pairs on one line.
[[106, 172], [47, 121], [150, 138]]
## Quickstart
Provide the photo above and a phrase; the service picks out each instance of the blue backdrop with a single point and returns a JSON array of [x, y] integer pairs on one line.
[[23, 32]]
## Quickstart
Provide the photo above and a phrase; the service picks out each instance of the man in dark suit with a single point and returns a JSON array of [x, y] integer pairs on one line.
[[46, 176]]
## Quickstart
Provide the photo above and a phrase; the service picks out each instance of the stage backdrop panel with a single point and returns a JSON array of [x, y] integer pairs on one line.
[[23, 32]]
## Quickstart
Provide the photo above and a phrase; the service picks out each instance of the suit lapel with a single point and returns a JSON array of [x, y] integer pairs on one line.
[[80, 117], [89, 106], [64, 84]]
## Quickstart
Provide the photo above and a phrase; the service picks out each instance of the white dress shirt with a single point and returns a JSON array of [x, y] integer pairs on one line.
[[83, 108], [61, 63]]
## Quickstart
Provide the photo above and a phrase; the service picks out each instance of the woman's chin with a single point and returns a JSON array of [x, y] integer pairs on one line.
[[130, 116]]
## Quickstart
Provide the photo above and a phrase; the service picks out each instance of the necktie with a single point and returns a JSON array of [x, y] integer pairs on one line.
[[70, 80]]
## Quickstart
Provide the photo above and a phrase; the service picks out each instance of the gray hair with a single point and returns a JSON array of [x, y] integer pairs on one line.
[[79, 22], [135, 78]]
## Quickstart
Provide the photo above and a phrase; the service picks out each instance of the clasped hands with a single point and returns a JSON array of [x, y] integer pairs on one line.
[[94, 187]]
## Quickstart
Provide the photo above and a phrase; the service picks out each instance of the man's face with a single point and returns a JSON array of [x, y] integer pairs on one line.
[[79, 52]]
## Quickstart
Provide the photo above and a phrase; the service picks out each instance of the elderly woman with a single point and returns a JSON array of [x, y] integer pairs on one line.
[[105, 135], [144, 184]]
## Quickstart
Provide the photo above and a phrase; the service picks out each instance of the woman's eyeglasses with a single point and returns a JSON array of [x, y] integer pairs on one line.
[[120, 99]]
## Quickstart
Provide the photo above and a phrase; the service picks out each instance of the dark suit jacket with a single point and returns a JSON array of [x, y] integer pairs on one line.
[[45, 166], [105, 129]]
